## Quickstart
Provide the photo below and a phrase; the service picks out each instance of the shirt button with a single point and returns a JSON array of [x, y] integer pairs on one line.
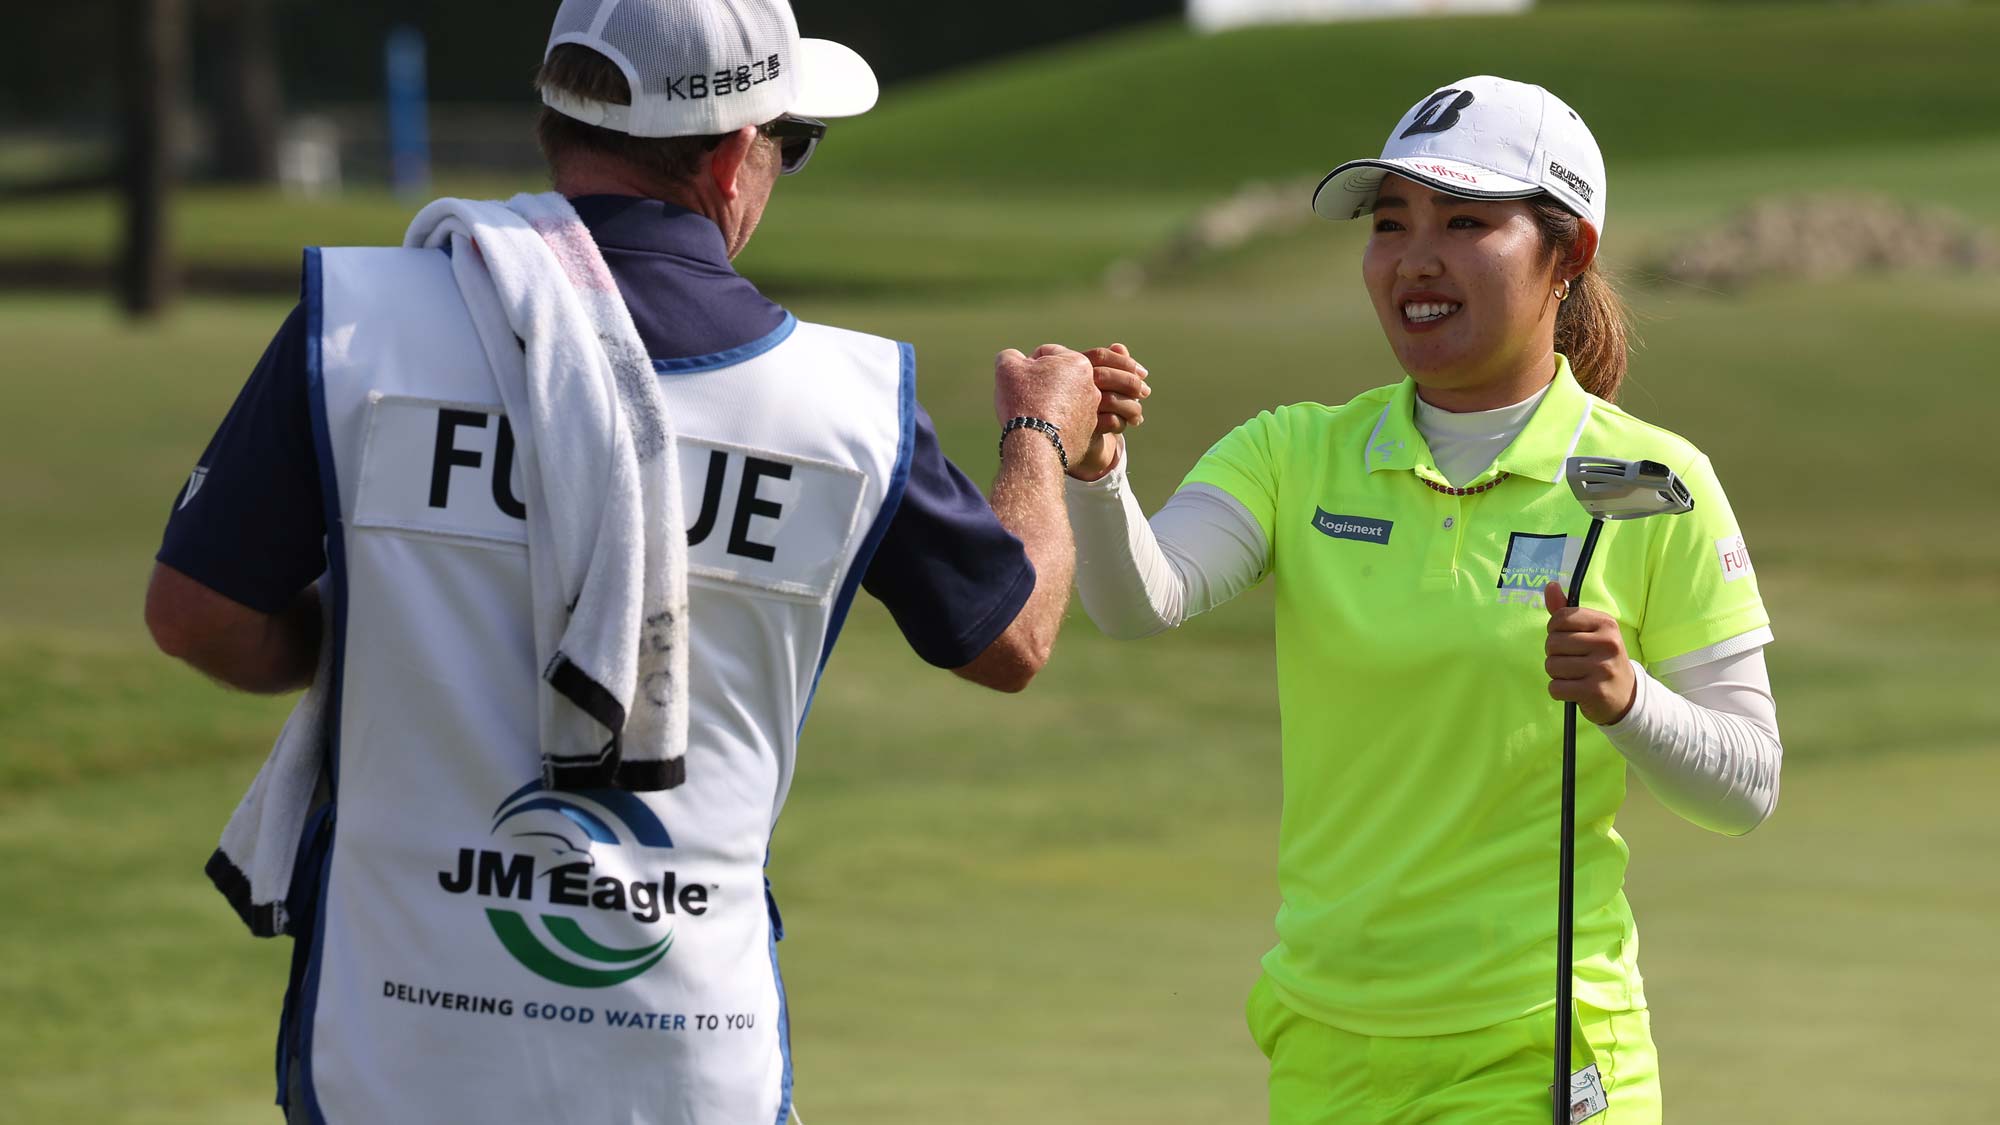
[[1448, 522]]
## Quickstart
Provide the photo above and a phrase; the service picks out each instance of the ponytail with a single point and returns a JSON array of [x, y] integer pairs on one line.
[[1592, 327]]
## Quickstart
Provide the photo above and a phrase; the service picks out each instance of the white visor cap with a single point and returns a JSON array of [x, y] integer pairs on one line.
[[1482, 138], [703, 67]]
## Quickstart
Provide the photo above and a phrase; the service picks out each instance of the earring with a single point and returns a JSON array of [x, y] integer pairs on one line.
[[1562, 294]]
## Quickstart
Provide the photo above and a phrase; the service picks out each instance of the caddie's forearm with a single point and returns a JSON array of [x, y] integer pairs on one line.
[[1028, 498], [276, 656], [264, 653], [1715, 765], [293, 643]]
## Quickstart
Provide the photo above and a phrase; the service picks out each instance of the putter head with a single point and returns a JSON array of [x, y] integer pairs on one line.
[[1611, 489]]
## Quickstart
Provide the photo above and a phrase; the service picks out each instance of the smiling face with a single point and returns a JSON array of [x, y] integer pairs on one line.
[[1465, 291]]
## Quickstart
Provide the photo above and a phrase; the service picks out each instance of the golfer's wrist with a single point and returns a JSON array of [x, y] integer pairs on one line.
[[1623, 716], [1109, 449]]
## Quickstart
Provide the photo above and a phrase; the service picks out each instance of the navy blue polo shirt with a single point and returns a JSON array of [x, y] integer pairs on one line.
[[249, 524]]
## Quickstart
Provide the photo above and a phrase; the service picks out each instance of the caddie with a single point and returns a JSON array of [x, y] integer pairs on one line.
[[557, 519]]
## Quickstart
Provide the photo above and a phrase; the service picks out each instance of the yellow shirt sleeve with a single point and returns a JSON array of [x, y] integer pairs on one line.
[[1701, 588], [1245, 465]]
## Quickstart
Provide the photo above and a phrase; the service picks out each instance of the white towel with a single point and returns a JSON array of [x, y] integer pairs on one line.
[[252, 866], [607, 547]]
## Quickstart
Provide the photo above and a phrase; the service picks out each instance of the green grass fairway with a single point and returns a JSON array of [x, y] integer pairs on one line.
[[1048, 909]]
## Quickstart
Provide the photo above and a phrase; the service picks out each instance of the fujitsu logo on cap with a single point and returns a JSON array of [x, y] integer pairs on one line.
[[1446, 171]]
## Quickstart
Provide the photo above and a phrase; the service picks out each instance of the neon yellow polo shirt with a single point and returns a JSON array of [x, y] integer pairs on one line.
[[1422, 753]]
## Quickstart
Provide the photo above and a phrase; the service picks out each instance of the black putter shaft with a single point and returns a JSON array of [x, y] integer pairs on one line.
[[1566, 880]]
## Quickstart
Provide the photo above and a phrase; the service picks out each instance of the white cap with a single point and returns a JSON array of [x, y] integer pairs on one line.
[[703, 67], [1483, 138]]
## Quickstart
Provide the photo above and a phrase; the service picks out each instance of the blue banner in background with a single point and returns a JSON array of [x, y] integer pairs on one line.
[[409, 112]]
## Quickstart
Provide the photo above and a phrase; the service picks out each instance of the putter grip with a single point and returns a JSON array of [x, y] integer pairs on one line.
[[1575, 591]]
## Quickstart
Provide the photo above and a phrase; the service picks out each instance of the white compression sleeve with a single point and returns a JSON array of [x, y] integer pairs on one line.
[[1139, 578], [1706, 741]]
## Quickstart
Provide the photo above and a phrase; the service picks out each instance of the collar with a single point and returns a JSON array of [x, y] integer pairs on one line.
[[1548, 440], [653, 226]]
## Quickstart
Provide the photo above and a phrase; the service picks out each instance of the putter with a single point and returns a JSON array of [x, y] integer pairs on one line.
[[1609, 489]]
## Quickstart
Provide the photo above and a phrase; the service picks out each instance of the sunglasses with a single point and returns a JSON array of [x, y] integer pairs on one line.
[[797, 137]]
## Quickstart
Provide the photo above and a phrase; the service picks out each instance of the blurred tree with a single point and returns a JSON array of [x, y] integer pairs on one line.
[[912, 38], [152, 41], [486, 50], [62, 71], [244, 107]]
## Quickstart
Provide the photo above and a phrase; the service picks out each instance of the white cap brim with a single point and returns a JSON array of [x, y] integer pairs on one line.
[[1349, 191], [833, 81]]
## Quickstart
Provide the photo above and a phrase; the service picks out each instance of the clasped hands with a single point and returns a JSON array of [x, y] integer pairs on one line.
[[1097, 392]]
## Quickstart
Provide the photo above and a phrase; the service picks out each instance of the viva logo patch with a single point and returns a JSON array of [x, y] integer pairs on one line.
[[1352, 527], [1534, 561]]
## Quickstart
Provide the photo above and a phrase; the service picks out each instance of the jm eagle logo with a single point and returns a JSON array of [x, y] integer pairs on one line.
[[590, 861]]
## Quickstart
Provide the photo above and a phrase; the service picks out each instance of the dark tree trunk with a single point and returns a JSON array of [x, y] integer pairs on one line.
[[152, 62], [246, 112]]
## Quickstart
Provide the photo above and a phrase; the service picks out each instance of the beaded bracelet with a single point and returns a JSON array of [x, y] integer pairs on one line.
[[1040, 425]]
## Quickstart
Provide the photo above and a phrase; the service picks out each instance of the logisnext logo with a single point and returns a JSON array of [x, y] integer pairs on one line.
[[1352, 527], [590, 861]]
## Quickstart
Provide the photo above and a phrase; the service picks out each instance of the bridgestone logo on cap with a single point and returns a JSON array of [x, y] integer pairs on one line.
[[1581, 185]]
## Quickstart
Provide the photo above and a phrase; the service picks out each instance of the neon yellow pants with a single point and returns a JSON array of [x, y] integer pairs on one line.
[[1498, 1075]]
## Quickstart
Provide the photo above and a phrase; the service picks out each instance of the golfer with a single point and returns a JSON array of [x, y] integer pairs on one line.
[[517, 827], [1418, 536]]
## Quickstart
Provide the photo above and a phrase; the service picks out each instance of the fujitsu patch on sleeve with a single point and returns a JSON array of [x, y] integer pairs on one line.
[[1734, 556]]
